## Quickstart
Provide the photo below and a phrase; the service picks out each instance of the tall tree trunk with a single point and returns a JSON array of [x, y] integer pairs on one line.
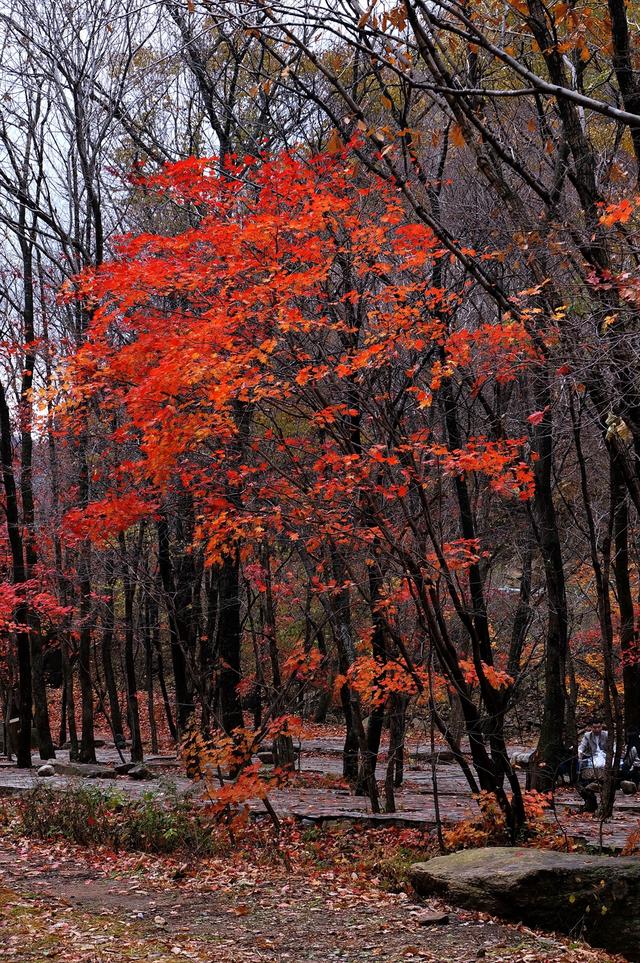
[[629, 646], [133, 710], [67, 675], [87, 744], [148, 648], [395, 760], [379, 652], [228, 646], [179, 644], [207, 648], [39, 690], [340, 609], [23, 752], [154, 622], [108, 631], [551, 743], [62, 732]]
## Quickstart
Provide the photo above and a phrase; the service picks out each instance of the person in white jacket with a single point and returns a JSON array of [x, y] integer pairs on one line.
[[592, 751]]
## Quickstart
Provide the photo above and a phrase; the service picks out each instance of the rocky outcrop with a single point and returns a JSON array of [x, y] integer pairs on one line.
[[596, 897]]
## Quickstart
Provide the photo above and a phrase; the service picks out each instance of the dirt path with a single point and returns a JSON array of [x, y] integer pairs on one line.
[[64, 904]]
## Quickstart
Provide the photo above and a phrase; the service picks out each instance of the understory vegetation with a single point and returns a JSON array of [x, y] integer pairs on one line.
[[94, 817]]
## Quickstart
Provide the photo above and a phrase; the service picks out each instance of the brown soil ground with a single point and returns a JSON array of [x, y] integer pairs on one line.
[[65, 904]]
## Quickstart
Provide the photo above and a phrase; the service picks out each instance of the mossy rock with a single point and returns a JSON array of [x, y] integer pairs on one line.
[[596, 897]]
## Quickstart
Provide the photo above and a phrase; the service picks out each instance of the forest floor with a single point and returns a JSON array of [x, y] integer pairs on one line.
[[333, 888], [317, 792], [60, 902]]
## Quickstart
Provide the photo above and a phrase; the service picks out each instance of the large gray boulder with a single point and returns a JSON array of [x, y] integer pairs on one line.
[[596, 897]]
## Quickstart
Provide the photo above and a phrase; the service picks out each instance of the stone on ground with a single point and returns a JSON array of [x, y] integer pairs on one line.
[[433, 918], [124, 768], [46, 770], [140, 772], [85, 770], [597, 897]]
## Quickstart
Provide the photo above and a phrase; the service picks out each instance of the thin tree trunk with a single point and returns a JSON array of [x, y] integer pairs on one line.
[[62, 733], [148, 646], [229, 643], [628, 635], [155, 642], [551, 744], [107, 664], [87, 744], [23, 752], [179, 644], [133, 710], [379, 652]]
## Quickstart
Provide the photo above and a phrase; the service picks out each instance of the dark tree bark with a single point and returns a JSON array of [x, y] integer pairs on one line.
[[154, 622], [228, 643], [551, 743], [379, 652], [23, 752], [41, 708], [623, 65], [148, 651], [629, 644], [133, 710], [179, 641], [87, 744], [108, 631]]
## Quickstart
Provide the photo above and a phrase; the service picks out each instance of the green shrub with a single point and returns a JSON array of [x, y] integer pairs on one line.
[[94, 816]]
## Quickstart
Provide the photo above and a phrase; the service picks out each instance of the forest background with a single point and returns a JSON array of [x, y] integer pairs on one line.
[[339, 412]]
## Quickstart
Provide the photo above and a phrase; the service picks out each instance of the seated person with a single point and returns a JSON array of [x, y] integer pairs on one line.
[[630, 762], [592, 752]]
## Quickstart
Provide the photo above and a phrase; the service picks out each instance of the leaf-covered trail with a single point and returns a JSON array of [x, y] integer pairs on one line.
[[59, 902]]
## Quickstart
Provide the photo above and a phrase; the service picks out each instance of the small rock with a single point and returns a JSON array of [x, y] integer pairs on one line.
[[124, 768], [46, 770], [628, 787], [140, 772], [340, 825], [432, 918]]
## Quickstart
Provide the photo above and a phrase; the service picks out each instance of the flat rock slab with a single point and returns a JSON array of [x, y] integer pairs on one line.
[[597, 897], [83, 770]]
